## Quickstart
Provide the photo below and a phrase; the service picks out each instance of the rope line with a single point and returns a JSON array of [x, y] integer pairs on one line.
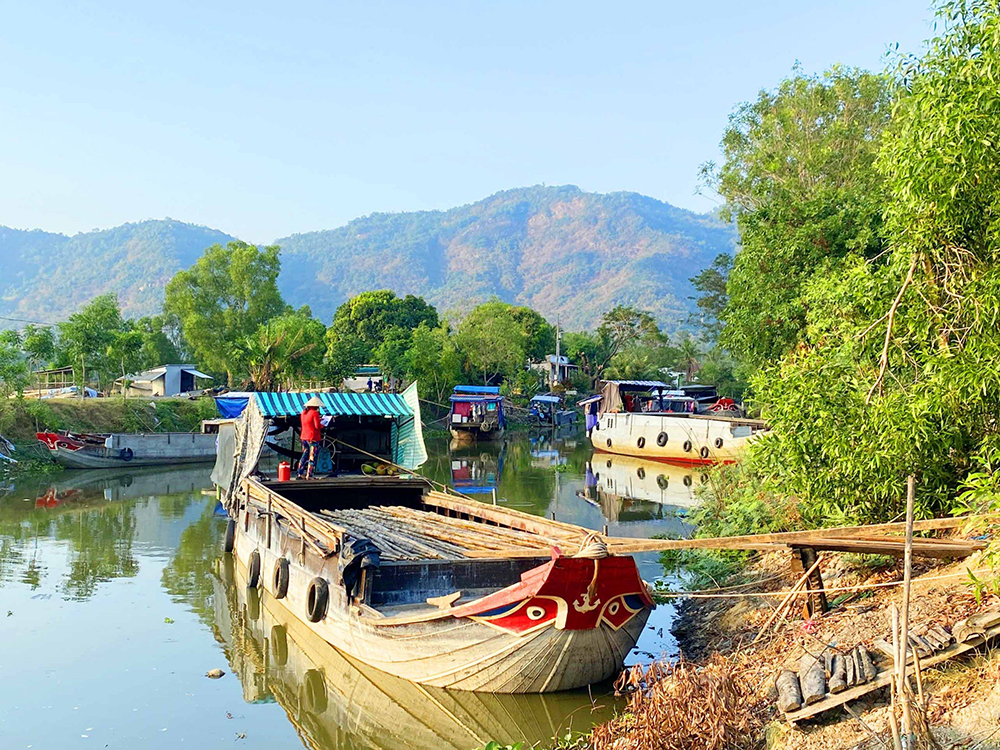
[[827, 589]]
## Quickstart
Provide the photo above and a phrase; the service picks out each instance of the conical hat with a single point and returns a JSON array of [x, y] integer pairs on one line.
[[314, 401]]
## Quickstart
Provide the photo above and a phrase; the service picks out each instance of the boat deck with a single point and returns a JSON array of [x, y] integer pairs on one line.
[[405, 534]]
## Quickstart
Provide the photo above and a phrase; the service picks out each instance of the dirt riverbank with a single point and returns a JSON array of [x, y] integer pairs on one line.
[[724, 695]]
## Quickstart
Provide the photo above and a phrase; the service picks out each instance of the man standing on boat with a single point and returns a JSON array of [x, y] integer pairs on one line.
[[310, 432]]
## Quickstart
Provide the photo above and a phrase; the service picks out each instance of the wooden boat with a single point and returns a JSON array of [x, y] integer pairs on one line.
[[476, 413], [122, 450], [434, 588], [549, 410], [635, 418], [338, 703]]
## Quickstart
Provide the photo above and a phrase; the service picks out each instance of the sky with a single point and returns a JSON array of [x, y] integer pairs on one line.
[[267, 119]]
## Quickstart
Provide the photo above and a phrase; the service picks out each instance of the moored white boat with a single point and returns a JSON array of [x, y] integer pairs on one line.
[[629, 418]]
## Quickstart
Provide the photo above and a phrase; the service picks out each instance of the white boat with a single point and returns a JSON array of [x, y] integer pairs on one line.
[[646, 419]]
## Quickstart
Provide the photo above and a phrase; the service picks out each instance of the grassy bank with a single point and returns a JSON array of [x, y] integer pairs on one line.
[[20, 419]]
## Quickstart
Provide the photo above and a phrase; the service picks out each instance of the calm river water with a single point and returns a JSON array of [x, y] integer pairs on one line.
[[115, 599]]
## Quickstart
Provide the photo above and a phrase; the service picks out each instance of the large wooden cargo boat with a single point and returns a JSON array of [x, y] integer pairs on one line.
[[121, 450], [635, 418], [338, 703], [476, 413], [435, 588]]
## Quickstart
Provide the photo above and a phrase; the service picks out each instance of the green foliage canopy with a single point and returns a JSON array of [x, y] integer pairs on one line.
[[223, 299]]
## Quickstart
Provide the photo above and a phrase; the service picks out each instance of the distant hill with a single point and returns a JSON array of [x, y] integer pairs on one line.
[[559, 250], [47, 277]]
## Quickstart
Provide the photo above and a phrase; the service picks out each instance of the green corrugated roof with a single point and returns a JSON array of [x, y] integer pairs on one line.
[[337, 404]]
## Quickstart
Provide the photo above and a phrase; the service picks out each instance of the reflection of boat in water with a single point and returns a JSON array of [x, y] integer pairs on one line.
[[119, 450], [643, 418], [335, 705], [612, 478], [475, 472], [105, 485]]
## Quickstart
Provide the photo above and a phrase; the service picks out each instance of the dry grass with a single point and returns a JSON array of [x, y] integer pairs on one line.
[[684, 706]]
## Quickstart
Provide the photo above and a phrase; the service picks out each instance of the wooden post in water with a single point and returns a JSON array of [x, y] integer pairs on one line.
[[494, 495]]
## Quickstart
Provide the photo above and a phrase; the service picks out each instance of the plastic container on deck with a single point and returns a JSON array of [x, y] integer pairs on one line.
[[284, 471]]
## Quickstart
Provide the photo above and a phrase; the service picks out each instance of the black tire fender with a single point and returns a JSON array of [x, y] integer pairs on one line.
[[609, 442], [280, 580], [641, 442], [126, 454], [661, 439], [317, 599], [718, 442], [279, 645], [314, 692], [253, 570], [230, 535], [704, 451], [687, 446]]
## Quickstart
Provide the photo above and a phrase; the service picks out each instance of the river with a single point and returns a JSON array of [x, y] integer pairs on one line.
[[116, 599]]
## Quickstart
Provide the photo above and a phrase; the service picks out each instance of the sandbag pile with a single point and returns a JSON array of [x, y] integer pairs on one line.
[[834, 672]]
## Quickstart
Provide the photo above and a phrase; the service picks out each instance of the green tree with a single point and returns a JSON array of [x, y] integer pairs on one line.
[[375, 327], [896, 377], [159, 345], [287, 348], [90, 340], [39, 345], [433, 362], [493, 340], [798, 176], [14, 375], [223, 299], [713, 297]]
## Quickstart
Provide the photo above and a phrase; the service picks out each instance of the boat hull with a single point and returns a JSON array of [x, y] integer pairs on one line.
[[678, 438], [128, 451], [567, 624], [472, 434]]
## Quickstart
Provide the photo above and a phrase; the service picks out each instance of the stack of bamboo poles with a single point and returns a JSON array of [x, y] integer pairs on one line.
[[407, 534]]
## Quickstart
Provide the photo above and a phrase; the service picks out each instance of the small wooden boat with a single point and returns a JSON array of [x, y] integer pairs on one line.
[[644, 418], [549, 410], [120, 450], [476, 413], [434, 588]]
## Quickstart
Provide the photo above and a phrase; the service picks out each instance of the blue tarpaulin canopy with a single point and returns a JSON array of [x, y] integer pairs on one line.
[[389, 405], [491, 390], [545, 399], [232, 404], [628, 385]]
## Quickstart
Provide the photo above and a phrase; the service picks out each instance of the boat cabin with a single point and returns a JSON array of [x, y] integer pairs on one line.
[[549, 409], [477, 412]]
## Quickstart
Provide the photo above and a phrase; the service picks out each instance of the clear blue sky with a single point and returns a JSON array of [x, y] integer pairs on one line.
[[264, 119]]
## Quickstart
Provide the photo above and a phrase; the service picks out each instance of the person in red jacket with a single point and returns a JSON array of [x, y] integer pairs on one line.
[[311, 432]]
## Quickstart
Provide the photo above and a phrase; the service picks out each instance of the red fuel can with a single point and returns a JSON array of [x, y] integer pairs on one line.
[[284, 471]]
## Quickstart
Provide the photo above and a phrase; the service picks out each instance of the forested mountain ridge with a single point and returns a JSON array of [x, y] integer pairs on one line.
[[559, 250], [46, 277]]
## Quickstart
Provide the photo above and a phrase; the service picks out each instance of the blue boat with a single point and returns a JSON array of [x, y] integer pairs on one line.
[[549, 410], [476, 413]]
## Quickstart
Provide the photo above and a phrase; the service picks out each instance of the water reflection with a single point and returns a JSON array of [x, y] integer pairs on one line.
[[334, 704], [126, 563], [94, 514]]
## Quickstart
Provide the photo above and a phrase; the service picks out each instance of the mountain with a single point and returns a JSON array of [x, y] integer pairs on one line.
[[560, 250], [47, 277]]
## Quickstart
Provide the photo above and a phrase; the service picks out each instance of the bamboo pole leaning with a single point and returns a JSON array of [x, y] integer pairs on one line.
[[784, 602]]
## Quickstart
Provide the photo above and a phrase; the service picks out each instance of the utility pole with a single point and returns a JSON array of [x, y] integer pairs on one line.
[[555, 377]]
